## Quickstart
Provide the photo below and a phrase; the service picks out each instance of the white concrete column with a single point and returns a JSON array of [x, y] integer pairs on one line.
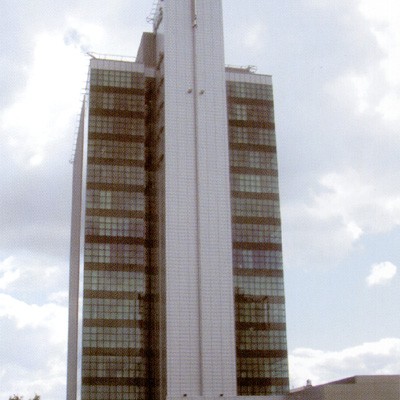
[[200, 335]]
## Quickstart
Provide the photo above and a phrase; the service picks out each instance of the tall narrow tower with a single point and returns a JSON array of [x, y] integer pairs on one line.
[[176, 244]]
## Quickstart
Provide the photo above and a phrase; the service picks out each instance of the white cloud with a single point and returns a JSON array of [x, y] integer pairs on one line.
[[23, 274], [8, 273], [382, 357], [380, 10], [347, 206], [60, 297], [376, 88], [39, 116], [353, 90], [357, 202], [46, 377], [389, 106], [255, 36], [383, 16], [354, 230], [37, 363], [381, 273], [51, 316]]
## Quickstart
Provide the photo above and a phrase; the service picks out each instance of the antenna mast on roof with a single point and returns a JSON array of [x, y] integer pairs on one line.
[[151, 16]]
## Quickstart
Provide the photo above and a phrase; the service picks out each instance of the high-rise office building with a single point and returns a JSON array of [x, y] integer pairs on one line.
[[176, 283]]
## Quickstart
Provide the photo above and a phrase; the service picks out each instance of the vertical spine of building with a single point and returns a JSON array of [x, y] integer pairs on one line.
[[199, 312], [215, 242], [76, 240]]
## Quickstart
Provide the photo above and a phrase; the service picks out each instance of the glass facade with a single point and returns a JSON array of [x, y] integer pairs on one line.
[[123, 325], [261, 351], [116, 303]]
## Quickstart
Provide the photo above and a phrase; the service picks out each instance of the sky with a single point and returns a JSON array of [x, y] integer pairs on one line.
[[337, 109]]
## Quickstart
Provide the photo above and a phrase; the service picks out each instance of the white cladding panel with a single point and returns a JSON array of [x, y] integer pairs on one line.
[[75, 271], [216, 282], [200, 344], [181, 253]]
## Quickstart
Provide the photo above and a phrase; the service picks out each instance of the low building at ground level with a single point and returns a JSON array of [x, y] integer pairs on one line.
[[362, 387]]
